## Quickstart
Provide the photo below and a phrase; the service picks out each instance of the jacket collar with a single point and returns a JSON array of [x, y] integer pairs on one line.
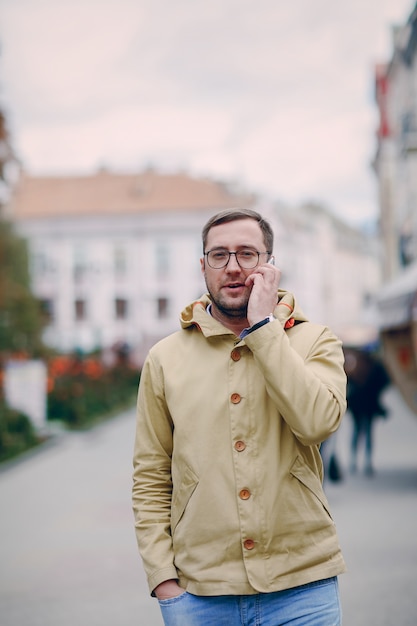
[[195, 314]]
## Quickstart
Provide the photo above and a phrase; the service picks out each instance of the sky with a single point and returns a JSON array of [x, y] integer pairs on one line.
[[275, 96]]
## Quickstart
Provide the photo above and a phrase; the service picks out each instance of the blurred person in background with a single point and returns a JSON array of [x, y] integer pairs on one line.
[[232, 522], [367, 379]]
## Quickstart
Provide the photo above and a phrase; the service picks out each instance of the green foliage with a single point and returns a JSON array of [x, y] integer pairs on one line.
[[16, 433], [84, 394], [20, 315], [20, 334]]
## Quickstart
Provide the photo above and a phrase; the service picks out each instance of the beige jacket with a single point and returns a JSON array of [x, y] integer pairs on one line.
[[227, 488]]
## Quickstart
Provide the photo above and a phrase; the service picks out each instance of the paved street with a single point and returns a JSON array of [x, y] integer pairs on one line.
[[68, 553], [377, 524]]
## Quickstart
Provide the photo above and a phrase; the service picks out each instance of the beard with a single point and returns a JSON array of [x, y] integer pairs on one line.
[[230, 309]]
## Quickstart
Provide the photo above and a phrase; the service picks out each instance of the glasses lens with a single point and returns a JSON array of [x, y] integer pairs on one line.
[[247, 258], [218, 258]]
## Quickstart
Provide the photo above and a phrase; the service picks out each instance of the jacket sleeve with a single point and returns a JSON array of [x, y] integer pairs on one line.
[[152, 481], [305, 378]]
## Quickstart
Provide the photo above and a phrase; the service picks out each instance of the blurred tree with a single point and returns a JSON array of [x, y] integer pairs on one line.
[[9, 164], [20, 316], [4, 145]]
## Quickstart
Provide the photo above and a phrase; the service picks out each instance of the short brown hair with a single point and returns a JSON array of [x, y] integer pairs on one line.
[[231, 215]]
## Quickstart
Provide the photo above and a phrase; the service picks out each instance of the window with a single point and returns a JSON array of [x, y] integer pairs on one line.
[[162, 259], [42, 264], [47, 310], [121, 308], [80, 262], [119, 260], [80, 307], [163, 308]]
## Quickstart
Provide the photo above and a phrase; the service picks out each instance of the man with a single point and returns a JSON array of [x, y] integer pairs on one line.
[[231, 519]]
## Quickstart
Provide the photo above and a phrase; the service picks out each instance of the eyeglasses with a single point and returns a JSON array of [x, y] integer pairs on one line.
[[246, 258]]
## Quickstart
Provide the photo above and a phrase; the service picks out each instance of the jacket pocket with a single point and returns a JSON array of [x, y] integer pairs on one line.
[[181, 496], [305, 475]]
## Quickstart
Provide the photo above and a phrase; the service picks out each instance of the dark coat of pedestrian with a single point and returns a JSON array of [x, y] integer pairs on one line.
[[367, 379]]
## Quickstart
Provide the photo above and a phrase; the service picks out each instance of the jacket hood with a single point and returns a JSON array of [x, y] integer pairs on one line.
[[195, 314]]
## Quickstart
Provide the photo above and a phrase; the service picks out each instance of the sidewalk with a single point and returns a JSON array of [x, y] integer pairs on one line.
[[68, 552], [376, 519], [67, 547]]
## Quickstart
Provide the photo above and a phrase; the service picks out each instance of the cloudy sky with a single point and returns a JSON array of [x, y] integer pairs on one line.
[[275, 95]]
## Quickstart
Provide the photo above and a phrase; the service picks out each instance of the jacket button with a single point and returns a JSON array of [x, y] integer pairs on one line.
[[235, 398], [240, 446], [244, 494], [249, 544], [235, 354]]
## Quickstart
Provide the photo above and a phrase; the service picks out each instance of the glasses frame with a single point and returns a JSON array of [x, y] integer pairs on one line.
[[236, 252]]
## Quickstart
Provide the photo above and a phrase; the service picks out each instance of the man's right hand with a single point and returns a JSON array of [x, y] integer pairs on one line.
[[168, 589]]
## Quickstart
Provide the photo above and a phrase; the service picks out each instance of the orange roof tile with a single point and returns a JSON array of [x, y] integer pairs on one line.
[[107, 193]]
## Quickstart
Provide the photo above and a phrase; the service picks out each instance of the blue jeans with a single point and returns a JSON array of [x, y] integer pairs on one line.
[[314, 604]]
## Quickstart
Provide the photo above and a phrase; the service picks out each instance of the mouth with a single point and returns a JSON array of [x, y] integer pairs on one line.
[[234, 286]]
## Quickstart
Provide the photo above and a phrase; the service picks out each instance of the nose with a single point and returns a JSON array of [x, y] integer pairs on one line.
[[232, 265]]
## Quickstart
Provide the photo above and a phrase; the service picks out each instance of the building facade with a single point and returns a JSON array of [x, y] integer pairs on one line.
[[116, 257], [395, 161], [396, 169], [333, 269]]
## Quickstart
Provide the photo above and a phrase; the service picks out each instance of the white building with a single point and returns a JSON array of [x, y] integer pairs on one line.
[[115, 257], [333, 269]]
